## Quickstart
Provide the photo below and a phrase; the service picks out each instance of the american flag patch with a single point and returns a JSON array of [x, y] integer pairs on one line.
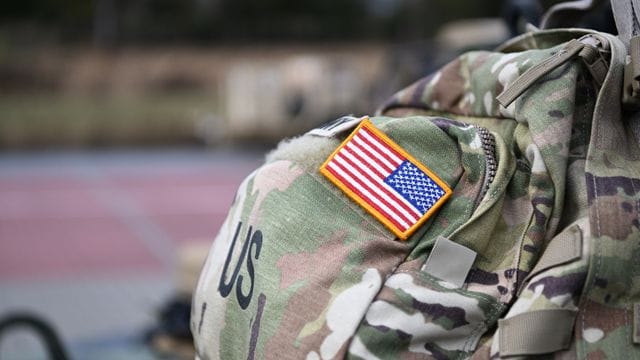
[[385, 180]]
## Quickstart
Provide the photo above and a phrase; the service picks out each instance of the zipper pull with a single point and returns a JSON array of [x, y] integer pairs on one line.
[[587, 47]]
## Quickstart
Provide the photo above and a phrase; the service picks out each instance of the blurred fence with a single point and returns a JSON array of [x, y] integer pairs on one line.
[[87, 97]]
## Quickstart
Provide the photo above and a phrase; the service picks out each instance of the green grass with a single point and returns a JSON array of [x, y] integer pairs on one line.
[[28, 121]]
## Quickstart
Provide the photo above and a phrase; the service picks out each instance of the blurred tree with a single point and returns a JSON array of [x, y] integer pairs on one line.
[[46, 19], [117, 22]]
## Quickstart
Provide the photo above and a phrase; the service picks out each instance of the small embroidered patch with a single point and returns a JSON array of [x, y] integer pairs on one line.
[[385, 180], [333, 127]]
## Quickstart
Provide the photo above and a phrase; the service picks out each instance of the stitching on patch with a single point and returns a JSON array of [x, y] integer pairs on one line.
[[366, 201]]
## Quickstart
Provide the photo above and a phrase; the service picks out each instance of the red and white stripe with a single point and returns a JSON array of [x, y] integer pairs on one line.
[[361, 165]]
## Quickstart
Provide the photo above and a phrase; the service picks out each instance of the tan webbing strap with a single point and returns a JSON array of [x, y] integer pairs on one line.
[[563, 248], [536, 332]]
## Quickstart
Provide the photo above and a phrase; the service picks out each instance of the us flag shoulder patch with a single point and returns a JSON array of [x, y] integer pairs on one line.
[[385, 180]]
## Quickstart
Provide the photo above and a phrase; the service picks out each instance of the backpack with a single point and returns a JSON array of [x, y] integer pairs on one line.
[[489, 210]]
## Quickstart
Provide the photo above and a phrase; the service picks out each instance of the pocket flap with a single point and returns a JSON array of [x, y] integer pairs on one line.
[[536, 332]]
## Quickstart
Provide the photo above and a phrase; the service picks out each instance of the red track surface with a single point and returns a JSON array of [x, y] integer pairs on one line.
[[64, 218]]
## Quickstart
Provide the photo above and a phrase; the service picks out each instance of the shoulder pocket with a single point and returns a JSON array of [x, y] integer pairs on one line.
[[542, 319]]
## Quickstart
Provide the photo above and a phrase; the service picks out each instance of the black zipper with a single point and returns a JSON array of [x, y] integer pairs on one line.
[[491, 163]]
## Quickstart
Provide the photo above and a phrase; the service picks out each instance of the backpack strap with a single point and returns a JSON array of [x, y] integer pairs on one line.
[[612, 174], [627, 17], [567, 14], [626, 14]]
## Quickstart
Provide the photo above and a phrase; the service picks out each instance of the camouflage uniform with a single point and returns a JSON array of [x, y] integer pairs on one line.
[[300, 271]]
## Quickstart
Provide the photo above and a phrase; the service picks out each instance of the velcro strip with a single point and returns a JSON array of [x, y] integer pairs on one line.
[[536, 332], [564, 248], [450, 261]]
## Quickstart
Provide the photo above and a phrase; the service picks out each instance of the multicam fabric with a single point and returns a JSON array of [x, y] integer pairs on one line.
[[299, 271]]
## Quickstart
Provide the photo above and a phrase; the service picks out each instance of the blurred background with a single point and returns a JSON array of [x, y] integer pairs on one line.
[[126, 126]]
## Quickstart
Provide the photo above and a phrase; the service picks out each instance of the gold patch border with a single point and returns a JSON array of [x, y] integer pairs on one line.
[[367, 124]]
